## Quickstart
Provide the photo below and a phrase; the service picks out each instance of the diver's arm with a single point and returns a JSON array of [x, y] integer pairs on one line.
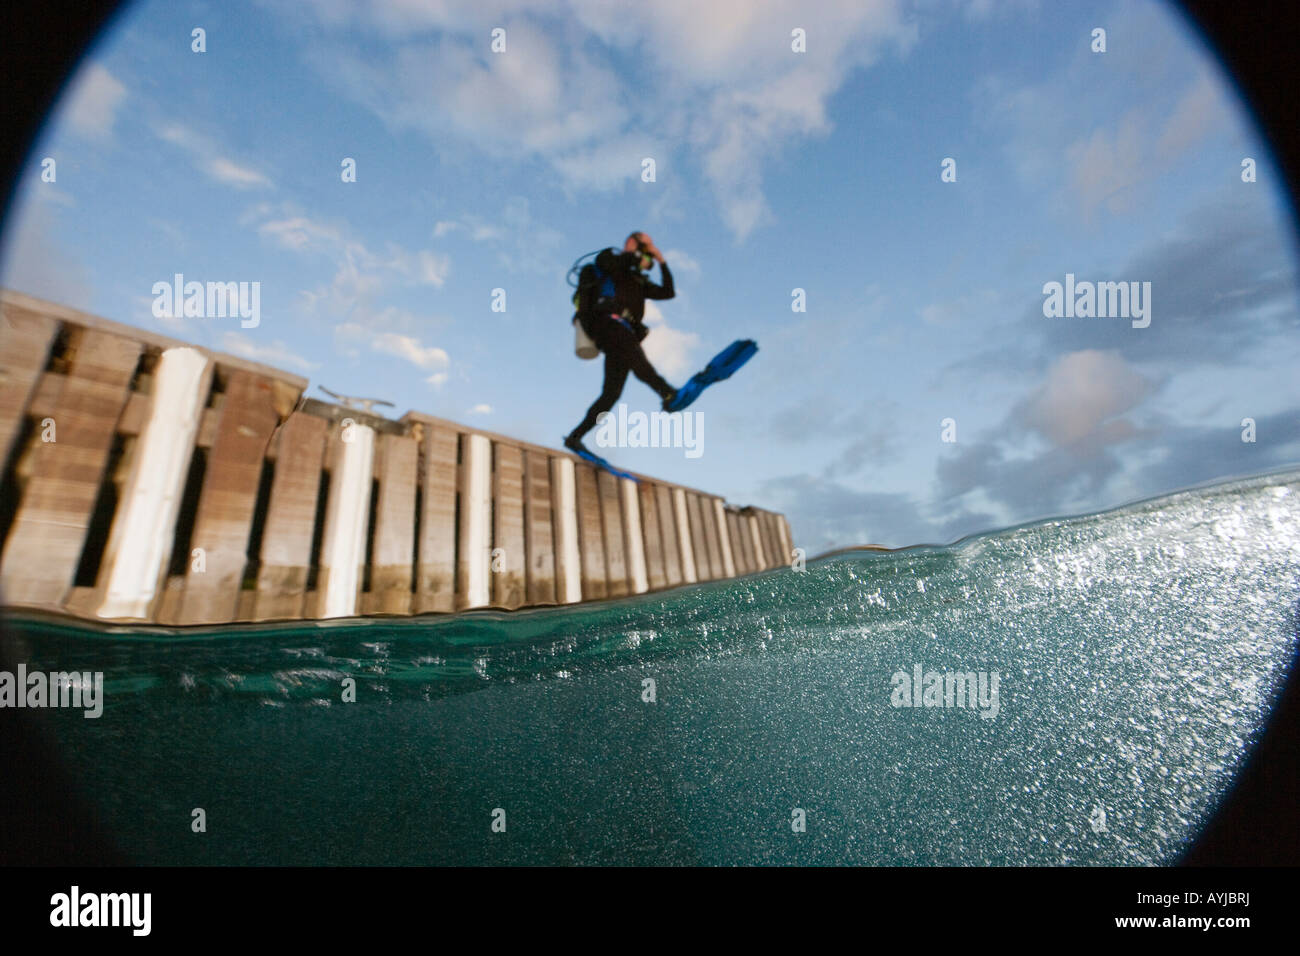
[[665, 291]]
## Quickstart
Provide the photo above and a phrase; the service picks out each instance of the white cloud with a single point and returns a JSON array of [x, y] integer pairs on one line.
[[482, 232], [754, 95], [351, 334], [410, 349], [1108, 164], [1200, 111], [522, 241], [296, 232], [612, 163], [362, 276], [985, 9], [671, 351], [718, 82], [1081, 397], [405, 17], [356, 278], [481, 410], [232, 174], [209, 159], [422, 267], [679, 261], [92, 102], [1140, 116], [961, 310], [48, 192]]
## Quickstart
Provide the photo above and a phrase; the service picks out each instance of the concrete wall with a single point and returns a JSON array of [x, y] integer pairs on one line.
[[147, 480]]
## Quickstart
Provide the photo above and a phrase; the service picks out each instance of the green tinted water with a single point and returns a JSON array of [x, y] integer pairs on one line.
[[1137, 653]]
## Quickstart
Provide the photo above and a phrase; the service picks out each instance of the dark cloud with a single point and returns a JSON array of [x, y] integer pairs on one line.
[[866, 451], [1223, 287], [1058, 446], [825, 514], [1059, 480], [1075, 477], [811, 417], [1193, 455], [872, 428]]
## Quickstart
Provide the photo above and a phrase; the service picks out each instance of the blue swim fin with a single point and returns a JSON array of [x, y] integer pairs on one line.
[[720, 366], [599, 462]]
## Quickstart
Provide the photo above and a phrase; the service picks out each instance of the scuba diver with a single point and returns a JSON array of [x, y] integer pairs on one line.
[[610, 308]]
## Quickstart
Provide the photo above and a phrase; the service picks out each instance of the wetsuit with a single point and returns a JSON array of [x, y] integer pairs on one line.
[[617, 329]]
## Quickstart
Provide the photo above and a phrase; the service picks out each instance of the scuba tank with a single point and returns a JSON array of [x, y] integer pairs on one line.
[[589, 279], [583, 346]]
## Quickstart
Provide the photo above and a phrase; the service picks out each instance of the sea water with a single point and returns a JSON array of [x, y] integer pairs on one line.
[[759, 720]]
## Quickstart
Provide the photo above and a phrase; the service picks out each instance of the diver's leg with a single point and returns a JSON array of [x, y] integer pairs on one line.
[[642, 369], [615, 376]]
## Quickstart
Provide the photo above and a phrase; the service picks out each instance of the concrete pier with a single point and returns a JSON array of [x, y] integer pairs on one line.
[[147, 480]]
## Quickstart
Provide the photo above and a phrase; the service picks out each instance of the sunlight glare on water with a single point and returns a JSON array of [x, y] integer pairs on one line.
[[1137, 652]]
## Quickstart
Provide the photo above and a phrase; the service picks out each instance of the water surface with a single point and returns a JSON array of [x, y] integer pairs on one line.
[[1138, 653]]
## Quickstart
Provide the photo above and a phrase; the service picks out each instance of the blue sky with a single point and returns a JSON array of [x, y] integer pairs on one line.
[[775, 170]]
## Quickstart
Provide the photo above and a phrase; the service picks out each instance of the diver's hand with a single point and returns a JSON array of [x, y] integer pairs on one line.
[[648, 246]]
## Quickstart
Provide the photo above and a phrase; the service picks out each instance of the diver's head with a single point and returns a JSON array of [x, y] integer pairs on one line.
[[643, 246]]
